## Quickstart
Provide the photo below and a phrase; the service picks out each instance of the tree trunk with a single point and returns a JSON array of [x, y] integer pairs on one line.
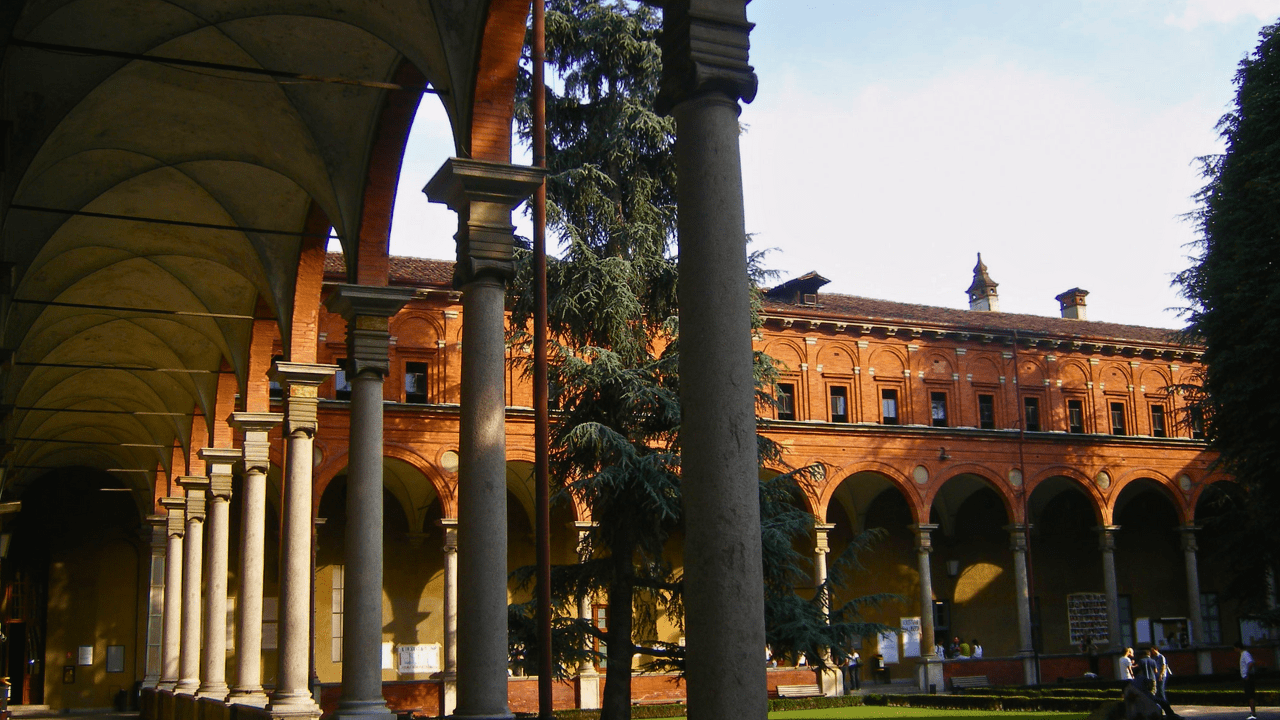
[[616, 704]]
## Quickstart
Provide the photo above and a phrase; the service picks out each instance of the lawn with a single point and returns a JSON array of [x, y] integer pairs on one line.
[[866, 712]]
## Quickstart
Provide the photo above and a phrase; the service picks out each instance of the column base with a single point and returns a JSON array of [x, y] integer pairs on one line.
[[448, 693], [1029, 674], [167, 685], [186, 687], [1204, 662], [296, 712], [253, 697], [214, 692], [929, 674], [362, 710], [589, 690], [830, 681]]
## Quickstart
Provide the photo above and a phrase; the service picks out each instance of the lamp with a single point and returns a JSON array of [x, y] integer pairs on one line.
[[942, 454]]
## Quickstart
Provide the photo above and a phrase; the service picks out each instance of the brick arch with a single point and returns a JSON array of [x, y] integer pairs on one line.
[[1074, 374], [579, 510], [809, 492], [494, 102], [331, 467], [1154, 379], [404, 323], [1031, 371], [937, 366], [1114, 372], [896, 478], [831, 362], [1083, 483], [1166, 485], [1201, 488], [888, 362], [984, 370], [788, 354], [983, 472]]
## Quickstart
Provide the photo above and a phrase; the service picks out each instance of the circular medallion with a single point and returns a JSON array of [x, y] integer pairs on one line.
[[920, 474], [1015, 477], [1102, 480], [449, 461], [1184, 482]]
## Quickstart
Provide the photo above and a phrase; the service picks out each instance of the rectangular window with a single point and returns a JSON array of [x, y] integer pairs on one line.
[[274, 390], [941, 616], [987, 412], [786, 401], [1031, 412], [600, 616], [889, 407], [342, 381], [938, 409], [335, 616], [1117, 418], [415, 382], [839, 404], [1157, 421], [1075, 416], [1197, 423], [1212, 617], [1124, 609]]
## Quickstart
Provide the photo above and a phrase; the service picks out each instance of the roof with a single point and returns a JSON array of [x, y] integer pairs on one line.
[[403, 270]]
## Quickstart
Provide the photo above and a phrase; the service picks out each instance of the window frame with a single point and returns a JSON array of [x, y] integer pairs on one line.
[[1159, 428], [790, 394], [1080, 405], [896, 418], [341, 379], [984, 424], [1114, 407], [843, 394], [938, 399], [424, 394], [1027, 402]]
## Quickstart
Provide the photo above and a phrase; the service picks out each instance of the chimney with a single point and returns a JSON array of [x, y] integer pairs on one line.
[[982, 292], [1072, 303]]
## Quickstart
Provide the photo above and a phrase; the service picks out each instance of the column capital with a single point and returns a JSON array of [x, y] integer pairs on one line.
[[368, 310], [483, 194], [1107, 537], [159, 527], [450, 526], [924, 543], [1188, 533], [820, 533], [195, 487], [1018, 536], [705, 48], [220, 462], [300, 382], [256, 448], [175, 515], [584, 528]]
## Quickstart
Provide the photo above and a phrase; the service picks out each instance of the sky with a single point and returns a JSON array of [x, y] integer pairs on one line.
[[890, 142]]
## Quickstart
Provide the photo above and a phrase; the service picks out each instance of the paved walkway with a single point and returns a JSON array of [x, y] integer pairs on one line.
[[1206, 712]]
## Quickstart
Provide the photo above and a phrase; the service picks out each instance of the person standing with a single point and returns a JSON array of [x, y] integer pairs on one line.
[[852, 671], [1246, 676], [1090, 650], [1126, 664], [1162, 675]]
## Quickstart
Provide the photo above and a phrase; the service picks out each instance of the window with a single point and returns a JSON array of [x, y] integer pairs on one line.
[[600, 616], [274, 390], [786, 401], [1075, 416], [839, 404], [1037, 630], [941, 616], [987, 412], [341, 381], [1211, 616], [335, 616], [938, 409], [1124, 610], [889, 407], [1197, 423], [1157, 421], [1031, 411], [415, 382], [1117, 418]]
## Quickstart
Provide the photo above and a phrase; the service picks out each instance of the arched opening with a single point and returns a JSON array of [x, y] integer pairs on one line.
[[1232, 581], [1065, 559], [1150, 571]]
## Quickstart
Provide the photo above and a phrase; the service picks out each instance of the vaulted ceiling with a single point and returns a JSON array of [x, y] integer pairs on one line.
[[163, 158]]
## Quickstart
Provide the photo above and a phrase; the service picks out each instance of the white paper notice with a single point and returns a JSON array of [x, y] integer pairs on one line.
[[910, 636], [889, 647], [418, 658]]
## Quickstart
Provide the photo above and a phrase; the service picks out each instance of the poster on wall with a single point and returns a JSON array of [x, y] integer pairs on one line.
[[910, 636], [418, 658], [889, 647], [1253, 632], [84, 655], [1087, 617], [115, 658]]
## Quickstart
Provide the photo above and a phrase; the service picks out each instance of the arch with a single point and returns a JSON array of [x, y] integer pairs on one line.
[[887, 361], [1154, 380], [1138, 480], [1210, 486], [837, 357], [1073, 374], [872, 468], [806, 493], [1053, 481], [787, 353], [1031, 371], [1115, 376], [937, 366], [961, 481], [984, 370]]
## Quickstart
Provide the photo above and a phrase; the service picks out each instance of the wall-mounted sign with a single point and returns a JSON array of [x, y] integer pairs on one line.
[[418, 658], [84, 655], [115, 658]]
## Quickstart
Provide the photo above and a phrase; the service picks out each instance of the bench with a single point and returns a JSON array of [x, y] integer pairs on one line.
[[799, 691], [964, 682]]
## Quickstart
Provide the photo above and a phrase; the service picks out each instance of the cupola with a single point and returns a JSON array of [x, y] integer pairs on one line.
[[1072, 303], [982, 292]]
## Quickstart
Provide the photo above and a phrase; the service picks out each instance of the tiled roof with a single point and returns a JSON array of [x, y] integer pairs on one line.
[[404, 270], [851, 308]]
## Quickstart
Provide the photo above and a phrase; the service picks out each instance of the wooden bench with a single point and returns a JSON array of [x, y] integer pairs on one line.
[[964, 682], [799, 691]]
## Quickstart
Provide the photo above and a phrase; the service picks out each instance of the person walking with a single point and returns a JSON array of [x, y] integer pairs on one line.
[[1246, 677], [1162, 675], [1088, 648]]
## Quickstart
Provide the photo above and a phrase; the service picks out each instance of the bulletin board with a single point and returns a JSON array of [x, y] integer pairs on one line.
[[1087, 616]]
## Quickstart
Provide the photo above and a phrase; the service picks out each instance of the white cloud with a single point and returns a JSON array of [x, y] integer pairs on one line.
[[1201, 12]]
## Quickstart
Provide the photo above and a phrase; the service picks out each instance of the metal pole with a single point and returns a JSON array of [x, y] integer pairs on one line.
[[542, 421]]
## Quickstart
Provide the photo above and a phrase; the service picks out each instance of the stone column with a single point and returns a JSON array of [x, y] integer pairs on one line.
[[368, 311], [1107, 543], [483, 194], [219, 461], [175, 528], [1022, 600], [192, 570], [588, 679], [450, 676], [292, 696], [705, 74], [253, 527], [831, 680], [158, 530], [1195, 614], [930, 664]]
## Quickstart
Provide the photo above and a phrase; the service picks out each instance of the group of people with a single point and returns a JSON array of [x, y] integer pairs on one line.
[[958, 649], [1150, 673]]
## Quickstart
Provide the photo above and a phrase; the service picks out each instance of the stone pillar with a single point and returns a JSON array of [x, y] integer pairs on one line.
[[705, 74], [1107, 543], [213, 684], [292, 695], [192, 570], [450, 676], [175, 528], [368, 311], [1195, 614], [831, 680], [253, 527], [1022, 600], [588, 679], [483, 194], [930, 672], [157, 528]]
